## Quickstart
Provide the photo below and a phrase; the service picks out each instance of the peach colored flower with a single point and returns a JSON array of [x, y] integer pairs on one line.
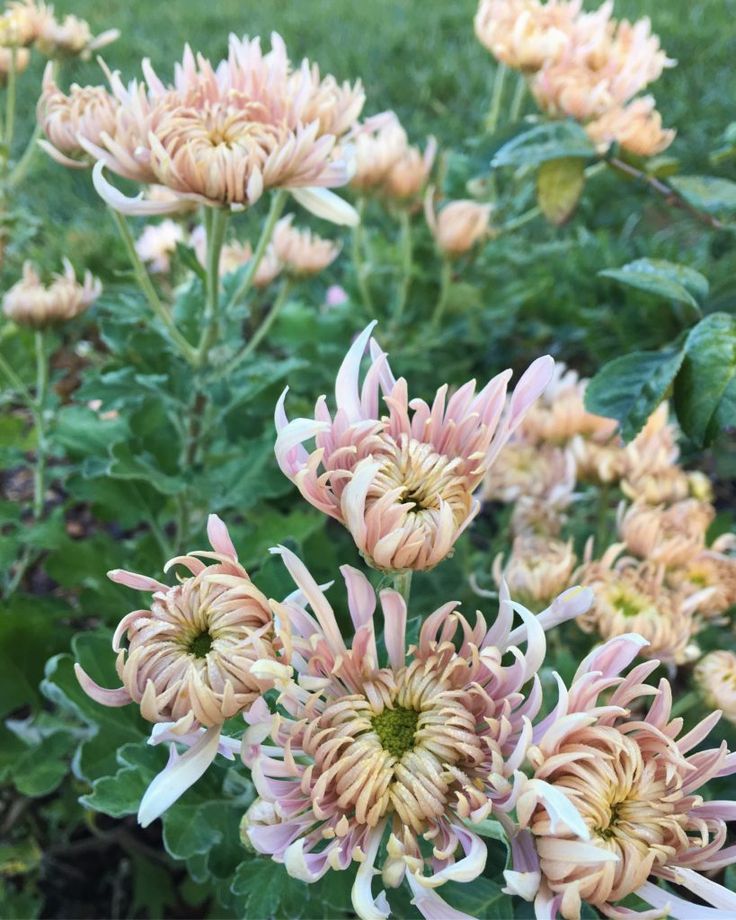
[[525, 469], [203, 652], [670, 536], [526, 34], [88, 111], [385, 162], [234, 255], [631, 776], [301, 252], [636, 127], [157, 244], [416, 746], [402, 483], [715, 676], [459, 225], [633, 596], [22, 22], [707, 571], [71, 37], [222, 136], [537, 570], [31, 303]]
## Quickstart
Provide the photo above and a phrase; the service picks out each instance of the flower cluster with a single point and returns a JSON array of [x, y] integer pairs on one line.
[[218, 135], [31, 303], [402, 483], [26, 23], [586, 66]]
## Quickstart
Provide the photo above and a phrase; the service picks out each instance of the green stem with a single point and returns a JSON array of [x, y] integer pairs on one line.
[[262, 330], [402, 584], [684, 703], [216, 224], [188, 352], [39, 476], [518, 98], [407, 267], [18, 173], [359, 265], [494, 112], [278, 201], [601, 531], [10, 103], [522, 219], [445, 284]]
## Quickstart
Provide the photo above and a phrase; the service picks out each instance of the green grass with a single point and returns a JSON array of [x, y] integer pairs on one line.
[[418, 58]]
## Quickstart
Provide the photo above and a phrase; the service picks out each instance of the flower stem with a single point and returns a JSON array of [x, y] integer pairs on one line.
[[278, 201], [685, 703], [17, 383], [601, 531], [402, 584], [216, 225], [359, 265], [10, 102], [265, 325], [39, 475], [188, 352], [407, 267], [522, 219], [494, 112], [20, 169], [518, 98], [445, 284]]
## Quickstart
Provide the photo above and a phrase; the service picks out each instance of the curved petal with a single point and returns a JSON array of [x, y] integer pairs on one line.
[[134, 207], [119, 697], [326, 204]]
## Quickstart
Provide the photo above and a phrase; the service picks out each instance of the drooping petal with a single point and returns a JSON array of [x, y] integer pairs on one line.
[[326, 204]]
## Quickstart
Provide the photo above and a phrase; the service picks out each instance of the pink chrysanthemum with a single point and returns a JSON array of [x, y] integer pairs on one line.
[[414, 751], [401, 483], [634, 782]]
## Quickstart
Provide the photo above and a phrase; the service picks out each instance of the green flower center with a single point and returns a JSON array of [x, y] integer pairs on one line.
[[628, 604], [200, 644], [396, 728]]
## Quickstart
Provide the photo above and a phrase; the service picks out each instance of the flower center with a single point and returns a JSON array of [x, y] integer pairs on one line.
[[396, 729], [200, 645], [629, 605]]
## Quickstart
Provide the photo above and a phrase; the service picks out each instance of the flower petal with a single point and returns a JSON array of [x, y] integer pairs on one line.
[[326, 204]]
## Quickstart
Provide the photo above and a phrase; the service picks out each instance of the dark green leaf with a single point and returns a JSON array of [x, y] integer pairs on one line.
[[665, 279], [705, 387], [551, 141], [630, 388], [707, 193]]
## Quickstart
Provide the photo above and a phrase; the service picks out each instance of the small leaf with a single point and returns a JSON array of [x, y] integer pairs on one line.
[[560, 184], [551, 141], [662, 278], [705, 388], [630, 388], [707, 193]]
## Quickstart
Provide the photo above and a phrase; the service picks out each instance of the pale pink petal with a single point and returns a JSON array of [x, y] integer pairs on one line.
[[219, 537], [394, 630], [119, 697]]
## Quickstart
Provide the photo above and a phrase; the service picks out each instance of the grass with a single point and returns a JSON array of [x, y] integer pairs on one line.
[[420, 59]]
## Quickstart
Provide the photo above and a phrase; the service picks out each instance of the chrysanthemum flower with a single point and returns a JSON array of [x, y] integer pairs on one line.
[[86, 111], [71, 37], [22, 22], [414, 751], [31, 303], [715, 676], [401, 483], [636, 127], [633, 596], [537, 569], [301, 252], [459, 225], [634, 781], [203, 652], [157, 244], [222, 136], [712, 572], [385, 163], [670, 536], [17, 58], [525, 469], [526, 34]]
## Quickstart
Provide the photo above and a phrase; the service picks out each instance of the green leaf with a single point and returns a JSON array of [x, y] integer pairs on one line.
[[153, 888], [707, 193], [630, 388], [260, 883], [662, 278], [481, 898], [560, 184], [705, 388], [136, 466], [551, 141], [80, 431]]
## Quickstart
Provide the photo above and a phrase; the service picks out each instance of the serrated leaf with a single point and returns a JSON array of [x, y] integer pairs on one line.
[[560, 184], [551, 141], [81, 431], [705, 388], [662, 278], [631, 387], [481, 898], [707, 193], [260, 883]]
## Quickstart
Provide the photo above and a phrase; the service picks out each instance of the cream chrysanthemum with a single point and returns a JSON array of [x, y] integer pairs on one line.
[[402, 483], [415, 751], [31, 303], [635, 784], [300, 252], [537, 569], [715, 676]]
